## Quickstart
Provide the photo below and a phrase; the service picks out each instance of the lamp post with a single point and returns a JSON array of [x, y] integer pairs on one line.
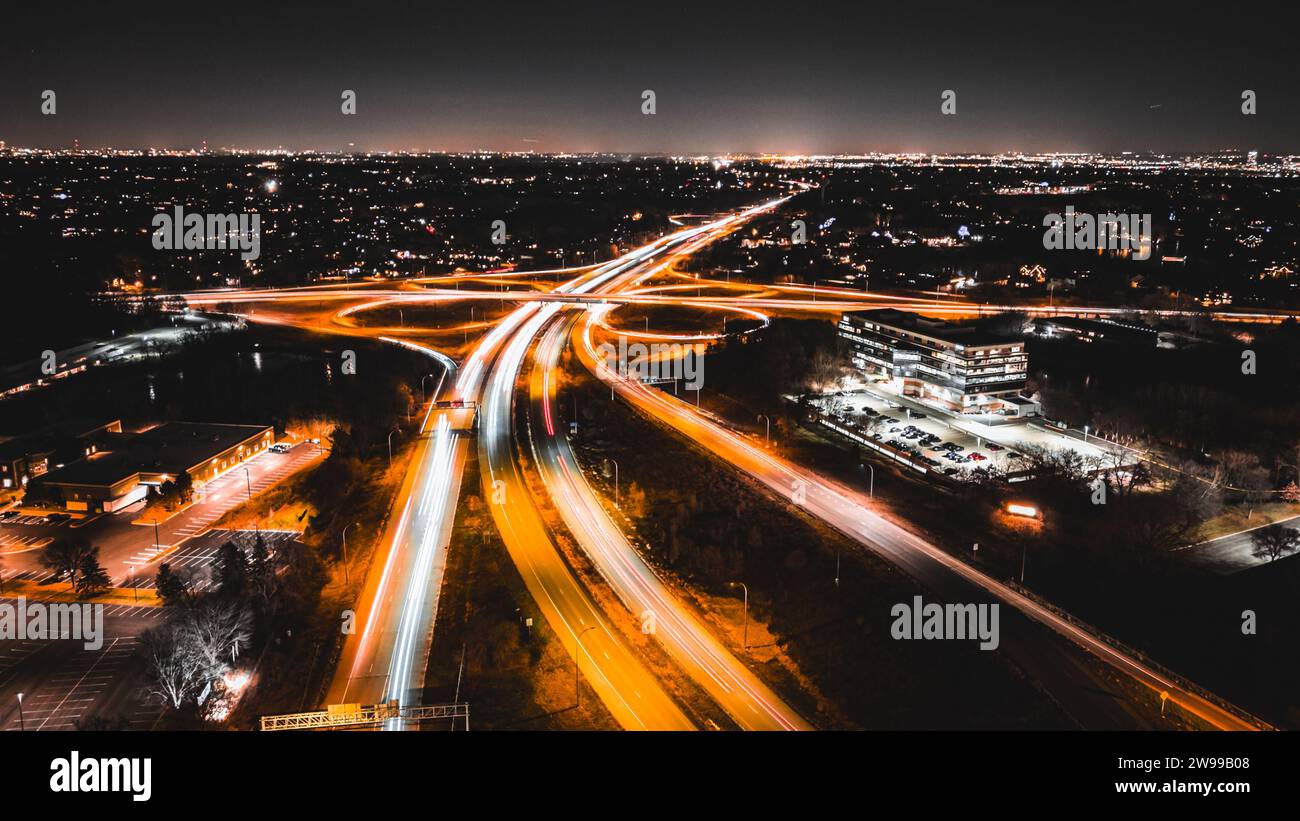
[[345, 552], [135, 591], [1085, 434], [422, 397], [744, 642], [768, 437], [390, 445], [871, 484], [248, 483], [22, 722]]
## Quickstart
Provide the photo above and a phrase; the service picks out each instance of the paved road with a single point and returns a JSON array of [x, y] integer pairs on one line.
[[1231, 553], [386, 658], [738, 691], [630, 692], [1037, 652], [64, 685]]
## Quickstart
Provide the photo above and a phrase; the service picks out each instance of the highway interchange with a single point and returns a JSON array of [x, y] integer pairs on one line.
[[397, 608]]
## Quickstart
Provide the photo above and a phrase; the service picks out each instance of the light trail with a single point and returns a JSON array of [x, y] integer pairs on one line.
[[850, 513], [749, 702]]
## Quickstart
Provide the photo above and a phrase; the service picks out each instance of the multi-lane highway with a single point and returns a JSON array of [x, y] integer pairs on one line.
[[946, 576], [398, 604], [747, 700]]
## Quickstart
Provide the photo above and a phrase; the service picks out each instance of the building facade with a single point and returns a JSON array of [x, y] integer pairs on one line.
[[126, 465], [959, 368]]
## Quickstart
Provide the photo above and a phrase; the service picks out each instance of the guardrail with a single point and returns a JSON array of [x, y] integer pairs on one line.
[[1146, 660]]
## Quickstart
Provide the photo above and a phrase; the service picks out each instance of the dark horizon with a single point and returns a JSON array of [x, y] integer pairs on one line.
[[839, 79]]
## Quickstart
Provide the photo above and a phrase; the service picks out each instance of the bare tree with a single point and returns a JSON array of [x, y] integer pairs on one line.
[[175, 671], [215, 631], [825, 369], [1274, 541]]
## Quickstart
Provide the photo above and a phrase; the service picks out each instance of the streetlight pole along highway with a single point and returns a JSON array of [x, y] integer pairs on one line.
[[390, 445], [768, 420], [22, 722], [744, 641], [248, 483], [345, 551]]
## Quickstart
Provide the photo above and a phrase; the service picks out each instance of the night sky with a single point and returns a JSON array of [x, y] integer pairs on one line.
[[794, 77]]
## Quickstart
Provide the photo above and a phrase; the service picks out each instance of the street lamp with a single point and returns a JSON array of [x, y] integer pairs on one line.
[[135, 591], [345, 552], [22, 722], [248, 483], [616, 495], [390, 445], [1085, 433], [871, 484], [745, 634], [768, 420], [422, 397], [577, 691]]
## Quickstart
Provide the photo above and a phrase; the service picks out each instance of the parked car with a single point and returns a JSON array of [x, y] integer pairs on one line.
[[994, 447], [279, 447]]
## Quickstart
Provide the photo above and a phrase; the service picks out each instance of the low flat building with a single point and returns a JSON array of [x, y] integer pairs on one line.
[[1097, 330], [960, 368], [30, 455], [126, 465]]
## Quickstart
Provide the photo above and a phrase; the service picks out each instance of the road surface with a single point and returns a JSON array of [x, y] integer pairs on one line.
[[946, 576], [738, 691]]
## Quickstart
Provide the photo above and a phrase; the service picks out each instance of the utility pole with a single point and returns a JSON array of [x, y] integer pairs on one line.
[[745, 633], [345, 552]]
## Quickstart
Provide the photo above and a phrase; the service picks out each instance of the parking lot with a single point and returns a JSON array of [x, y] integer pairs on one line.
[[21, 532], [929, 437], [64, 685], [128, 548], [197, 555]]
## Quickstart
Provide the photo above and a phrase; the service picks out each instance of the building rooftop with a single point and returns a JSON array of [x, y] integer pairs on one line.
[[953, 332], [177, 446], [174, 447], [99, 469]]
